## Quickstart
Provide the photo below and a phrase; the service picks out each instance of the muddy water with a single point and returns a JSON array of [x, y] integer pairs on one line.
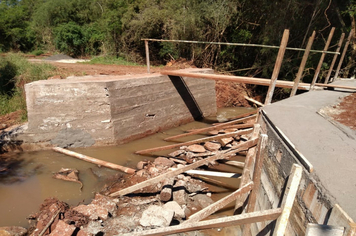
[[22, 192]]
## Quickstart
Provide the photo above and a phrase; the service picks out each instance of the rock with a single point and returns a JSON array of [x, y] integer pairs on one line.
[[162, 161], [174, 206], [106, 202], [93, 228], [141, 173], [83, 233], [213, 132], [141, 164], [12, 231], [225, 141], [202, 200], [153, 171], [156, 216], [94, 212], [166, 192], [176, 153], [68, 174], [179, 194], [3, 126], [212, 146], [196, 148], [63, 229]]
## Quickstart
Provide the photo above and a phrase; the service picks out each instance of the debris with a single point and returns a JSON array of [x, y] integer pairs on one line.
[[179, 194], [212, 146], [225, 141], [94, 212], [141, 164], [174, 206], [176, 153], [196, 148], [110, 204], [166, 193], [68, 174], [63, 229], [13, 230], [162, 161], [156, 216]]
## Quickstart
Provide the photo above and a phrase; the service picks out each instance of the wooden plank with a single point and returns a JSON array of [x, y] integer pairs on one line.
[[253, 101], [238, 79], [288, 200], [343, 55], [147, 56], [201, 140], [249, 160], [352, 230], [207, 211], [94, 160], [178, 171], [253, 217], [302, 65], [216, 182], [203, 130], [317, 71], [210, 173], [334, 58], [277, 66], [234, 163]]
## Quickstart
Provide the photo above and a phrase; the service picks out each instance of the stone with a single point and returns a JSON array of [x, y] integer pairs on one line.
[[196, 148], [176, 153], [110, 204], [225, 141], [93, 228], [179, 194], [212, 146], [94, 212], [12, 231], [156, 216], [162, 161], [213, 132], [174, 206], [202, 200], [141, 164], [63, 229]]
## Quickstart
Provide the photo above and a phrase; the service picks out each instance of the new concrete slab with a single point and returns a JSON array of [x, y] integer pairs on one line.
[[330, 148]]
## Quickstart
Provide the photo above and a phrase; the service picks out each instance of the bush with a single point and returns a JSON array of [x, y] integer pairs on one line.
[[37, 52]]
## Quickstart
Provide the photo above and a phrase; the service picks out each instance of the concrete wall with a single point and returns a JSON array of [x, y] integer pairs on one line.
[[313, 203], [99, 110]]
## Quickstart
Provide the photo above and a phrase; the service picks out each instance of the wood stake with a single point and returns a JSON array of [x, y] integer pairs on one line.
[[317, 71], [156, 149], [207, 211], [215, 182], [334, 59], [343, 55], [178, 171], [288, 199], [94, 160], [147, 56], [302, 65], [248, 218], [253, 101], [277, 66]]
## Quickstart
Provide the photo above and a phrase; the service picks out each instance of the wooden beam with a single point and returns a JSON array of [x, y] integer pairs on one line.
[[317, 71], [215, 223], [334, 58], [343, 55], [201, 140], [178, 171], [302, 65], [234, 163], [210, 173], [147, 56], [238, 79], [277, 66], [288, 200], [207, 211], [94, 160], [215, 182], [249, 160], [253, 101]]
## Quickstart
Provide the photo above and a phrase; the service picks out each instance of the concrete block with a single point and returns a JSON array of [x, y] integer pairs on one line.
[[324, 230]]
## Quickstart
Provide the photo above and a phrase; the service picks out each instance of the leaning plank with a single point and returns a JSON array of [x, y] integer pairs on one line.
[[211, 173], [288, 199], [94, 160], [215, 223], [234, 163], [200, 215], [254, 101], [215, 182], [233, 121], [180, 170], [232, 134]]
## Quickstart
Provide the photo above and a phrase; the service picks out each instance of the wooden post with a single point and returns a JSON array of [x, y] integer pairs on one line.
[[343, 56], [335, 57], [94, 160], [352, 230], [302, 65], [277, 66], [288, 200], [147, 56], [317, 71]]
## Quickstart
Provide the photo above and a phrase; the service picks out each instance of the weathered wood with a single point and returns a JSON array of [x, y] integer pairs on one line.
[[334, 58], [238, 79], [302, 65], [147, 56], [317, 71], [173, 173], [215, 223], [234, 163], [215, 182], [49, 223], [288, 199], [232, 134], [352, 230], [94, 160], [211, 173], [343, 55], [249, 160], [202, 214], [231, 121], [277, 66], [166, 192], [254, 101]]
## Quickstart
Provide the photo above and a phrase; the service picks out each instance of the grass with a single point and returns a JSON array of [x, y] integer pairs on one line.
[[111, 60], [15, 72]]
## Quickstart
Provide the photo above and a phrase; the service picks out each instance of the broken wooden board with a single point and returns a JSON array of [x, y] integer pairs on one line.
[[68, 174]]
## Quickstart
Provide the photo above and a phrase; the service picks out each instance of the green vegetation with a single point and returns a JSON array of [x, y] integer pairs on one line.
[[111, 60], [15, 72]]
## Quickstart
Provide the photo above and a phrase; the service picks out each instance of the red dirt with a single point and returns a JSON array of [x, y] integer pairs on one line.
[[347, 114], [10, 119]]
